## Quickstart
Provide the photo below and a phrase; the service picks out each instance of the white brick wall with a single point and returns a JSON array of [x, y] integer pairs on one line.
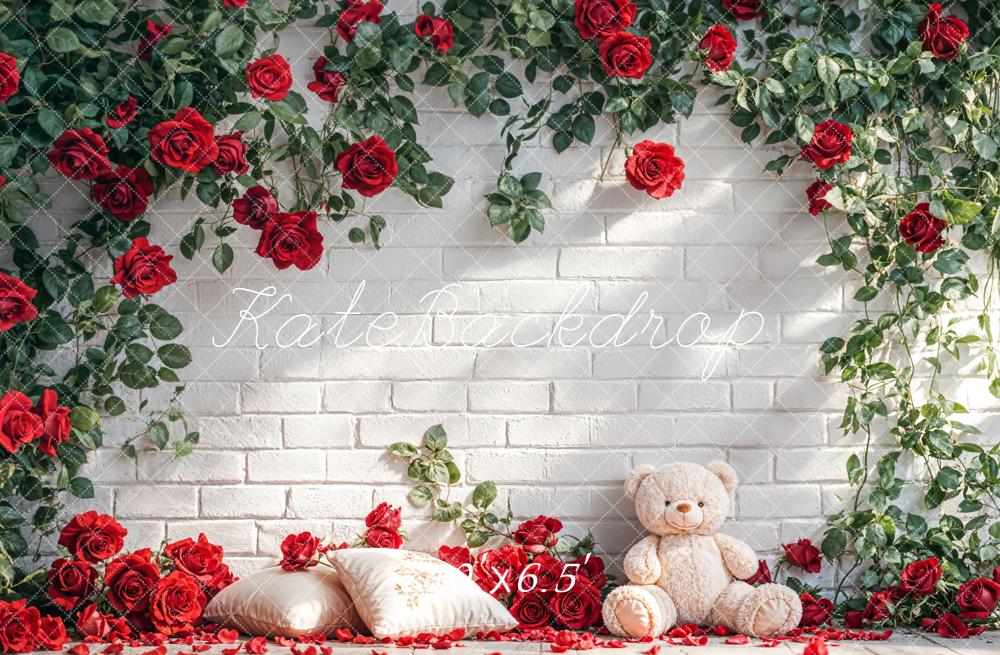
[[294, 439]]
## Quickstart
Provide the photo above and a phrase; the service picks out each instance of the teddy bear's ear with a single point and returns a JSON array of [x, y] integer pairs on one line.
[[635, 478], [725, 472]]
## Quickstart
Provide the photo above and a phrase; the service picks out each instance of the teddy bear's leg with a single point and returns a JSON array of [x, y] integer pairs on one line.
[[759, 611], [639, 611]]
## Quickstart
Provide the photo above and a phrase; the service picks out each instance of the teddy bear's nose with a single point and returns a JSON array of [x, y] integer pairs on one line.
[[683, 508]]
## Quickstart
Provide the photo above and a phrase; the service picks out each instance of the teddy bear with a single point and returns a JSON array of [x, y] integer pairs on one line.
[[685, 571]]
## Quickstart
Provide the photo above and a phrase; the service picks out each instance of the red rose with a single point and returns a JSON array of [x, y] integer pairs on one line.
[[497, 570], [269, 77], [743, 9], [123, 193], [384, 516], [458, 556], [877, 608], [3, 180], [10, 78], [201, 559], [830, 145], [922, 229], [720, 46], [950, 626], [255, 208], [439, 30], [815, 611], [18, 424], [816, 193], [15, 302], [942, 36], [298, 551], [602, 17], [235, 3], [625, 55], [93, 537], [368, 167], [18, 626], [70, 582], [853, 619], [537, 534], [579, 607], [55, 422], [545, 573], [232, 154], [154, 34], [383, 537], [655, 169], [920, 578], [186, 142], [130, 579], [591, 567], [356, 13], [143, 270], [291, 239], [123, 114], [326, 84], [977, 598], [996, 574], [804, 555], [531, 610], [761, 576], [79, 154], [93, 625], [52, 633], [176, 603]]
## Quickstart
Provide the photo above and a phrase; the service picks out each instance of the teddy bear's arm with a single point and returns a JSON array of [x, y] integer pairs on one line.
[[642, 563], [739, 557]]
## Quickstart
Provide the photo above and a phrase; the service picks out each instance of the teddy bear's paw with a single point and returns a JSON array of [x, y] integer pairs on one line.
[[772, 609], [634, 611]]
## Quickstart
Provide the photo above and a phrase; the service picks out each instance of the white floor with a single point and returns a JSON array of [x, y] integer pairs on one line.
[[901, 643]]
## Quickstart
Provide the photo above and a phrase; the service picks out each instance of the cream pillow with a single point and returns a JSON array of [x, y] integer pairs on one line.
[[402, 593], [278, 603]]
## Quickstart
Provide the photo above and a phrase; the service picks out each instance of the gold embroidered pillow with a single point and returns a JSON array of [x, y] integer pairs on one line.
[[401, 593], [277, 603]]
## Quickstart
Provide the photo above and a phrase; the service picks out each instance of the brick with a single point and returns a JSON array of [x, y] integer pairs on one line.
[[429, 396], [632, 262], [532, 363], [506, 397], [545, 431], [683, 395], [243, 501], [235, 537], [356, 396], [286, 466], [285, 398], [772, 502], [500, 263], [232, 432], [329, 502], [398, 363], [462, 430], [204, 466], [593, 396], [152, 501], [323, 431]]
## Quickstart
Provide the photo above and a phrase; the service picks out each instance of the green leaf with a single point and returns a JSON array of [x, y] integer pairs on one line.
[[229, 40], [584, 128], [81, 488], [222, 257], [834, 543], [420, 495], [959, 211], [435, 439], [174, 355], [484, 494], [403, 449], [159, 434], [508, 86], [62, 40]]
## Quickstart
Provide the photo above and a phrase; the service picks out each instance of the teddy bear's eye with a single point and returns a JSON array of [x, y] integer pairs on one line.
[[666, 503], [701, 504]]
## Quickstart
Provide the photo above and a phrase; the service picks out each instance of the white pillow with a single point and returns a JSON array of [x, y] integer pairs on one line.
[[402, 593], [278, 603]]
